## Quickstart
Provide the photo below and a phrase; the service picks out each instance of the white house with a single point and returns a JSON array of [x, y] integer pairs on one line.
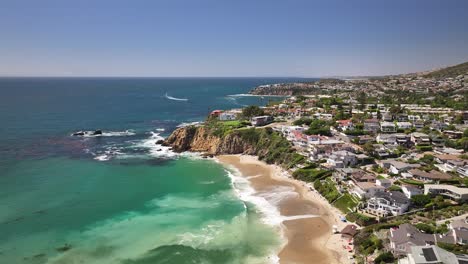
[[404, 125], [410, 191], [366, 189], [226, 116], [450, 191], [387, 203], [387, 127]]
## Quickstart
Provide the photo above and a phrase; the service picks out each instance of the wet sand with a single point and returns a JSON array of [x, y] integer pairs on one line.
[[308, 218]]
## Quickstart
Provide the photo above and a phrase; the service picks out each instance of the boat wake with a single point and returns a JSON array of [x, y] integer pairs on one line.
[[175, 98]]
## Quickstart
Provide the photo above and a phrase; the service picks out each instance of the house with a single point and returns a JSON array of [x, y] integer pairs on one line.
[[226, 116], [403, 139], [344, 125], [402, 117], [371, 125], [437, 125], [358, 175], [431, 254], [341, 159], [397, 167], [261, 120], [215, 113], [386, 183], [437, 141], [463, 171], [428, 176], [413, 118], [459, 230], [406, 236], [404, 125], [386, 139], [365, 138], [418, 124], [387, 127], [388, 117], [420, 138], [449, 191], [342, 174], [409, 191], [453, 134], [366, 189], [383, 204], [449, 162], [349, 231]]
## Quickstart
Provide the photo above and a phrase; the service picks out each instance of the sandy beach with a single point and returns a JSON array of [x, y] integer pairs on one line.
[[307, 217]]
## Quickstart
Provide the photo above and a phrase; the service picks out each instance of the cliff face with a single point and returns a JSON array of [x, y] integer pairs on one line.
[[198, 139]]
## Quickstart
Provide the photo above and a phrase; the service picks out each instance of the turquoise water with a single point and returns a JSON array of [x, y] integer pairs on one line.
[[119, 198]]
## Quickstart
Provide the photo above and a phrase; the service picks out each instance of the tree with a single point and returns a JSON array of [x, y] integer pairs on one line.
[[362, 99], [251, 111], [420, 199]]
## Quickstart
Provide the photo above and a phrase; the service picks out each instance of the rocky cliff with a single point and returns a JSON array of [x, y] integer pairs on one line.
[[199, 139]]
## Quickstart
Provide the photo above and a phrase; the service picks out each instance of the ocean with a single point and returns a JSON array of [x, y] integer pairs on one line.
[[118, 197]]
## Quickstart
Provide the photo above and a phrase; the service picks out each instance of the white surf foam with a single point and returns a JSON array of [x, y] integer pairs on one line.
[[156, 150], [175, 98], [125, 133], [190, 124]]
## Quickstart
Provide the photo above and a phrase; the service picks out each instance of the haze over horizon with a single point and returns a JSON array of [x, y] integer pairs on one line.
[[211, 38]]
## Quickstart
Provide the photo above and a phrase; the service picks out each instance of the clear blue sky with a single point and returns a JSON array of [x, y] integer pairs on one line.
[[230, 37]]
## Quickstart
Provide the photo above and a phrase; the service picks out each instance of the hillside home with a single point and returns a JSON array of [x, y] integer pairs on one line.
[[371, 125], [383, 204], [344, 125], [449, 191], [261, 120], [409, 191], [406, 236], [226, 116], [428, 176], [365, 189], [387, 127], [420, 138], [404, 125]]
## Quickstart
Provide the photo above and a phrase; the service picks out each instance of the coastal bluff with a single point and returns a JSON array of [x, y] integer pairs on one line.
[[201, 139], [268, 145]]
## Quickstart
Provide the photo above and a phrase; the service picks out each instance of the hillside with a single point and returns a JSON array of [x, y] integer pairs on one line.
[[449, 72]]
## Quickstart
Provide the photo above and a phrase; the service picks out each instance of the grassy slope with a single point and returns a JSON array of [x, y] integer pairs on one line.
[[452, 71]]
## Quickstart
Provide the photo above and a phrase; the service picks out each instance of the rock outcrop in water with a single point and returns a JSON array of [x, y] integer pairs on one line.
[[199, 139]]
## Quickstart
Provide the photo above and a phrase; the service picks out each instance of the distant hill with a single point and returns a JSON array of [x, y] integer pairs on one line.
[[453, 71]]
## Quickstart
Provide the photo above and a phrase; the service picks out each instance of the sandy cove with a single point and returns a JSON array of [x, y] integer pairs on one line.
[[309, 228]]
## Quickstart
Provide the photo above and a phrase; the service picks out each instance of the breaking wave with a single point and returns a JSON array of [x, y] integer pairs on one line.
[[175, 98]]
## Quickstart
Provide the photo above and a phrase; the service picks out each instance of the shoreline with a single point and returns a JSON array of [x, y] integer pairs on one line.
[[306, 219]]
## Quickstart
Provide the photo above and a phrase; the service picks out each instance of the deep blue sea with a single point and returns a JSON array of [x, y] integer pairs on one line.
[[120, 198]]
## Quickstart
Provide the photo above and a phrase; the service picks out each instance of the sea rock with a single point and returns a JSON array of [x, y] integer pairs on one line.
[[97, 132], [79, 133], [160, 142]]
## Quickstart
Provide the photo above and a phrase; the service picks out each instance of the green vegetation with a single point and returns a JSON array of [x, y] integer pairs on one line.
[[310, 174], [366, 243], [270, 146], [386, 257], [448, 72], [251, 111], [360, 219], [420, 200], [327, 189], [454, 248], [222, 128], [426, 228], [319, 127], [412, 182], [345, 203]]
